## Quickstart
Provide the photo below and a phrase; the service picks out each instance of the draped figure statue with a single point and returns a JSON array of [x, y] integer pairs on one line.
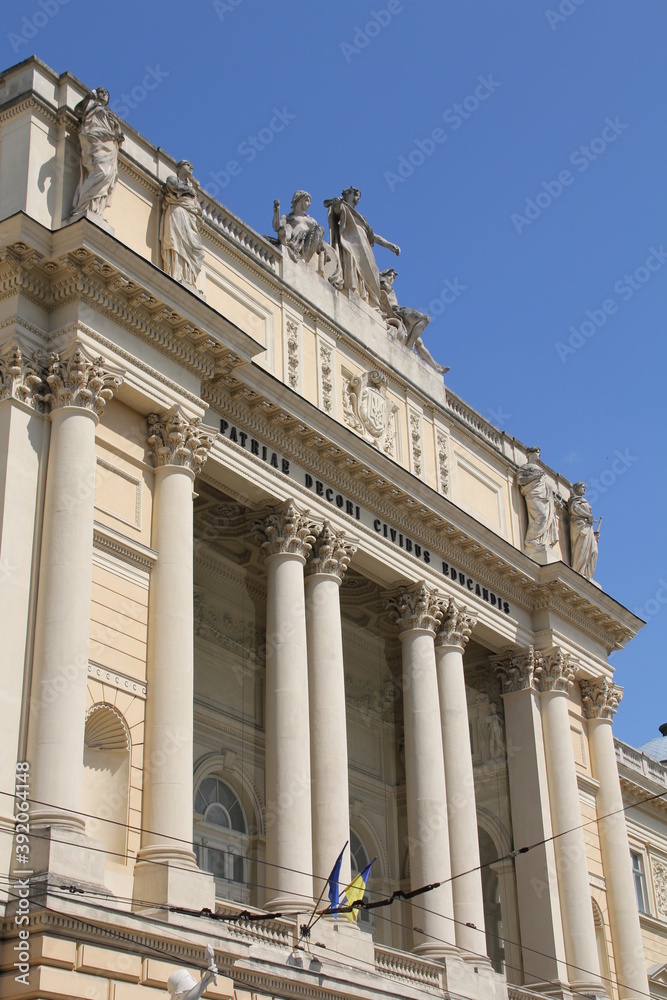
[[540, 502], [180, 241], [353, 240], [583, 536], [409, 324], [100, 137]]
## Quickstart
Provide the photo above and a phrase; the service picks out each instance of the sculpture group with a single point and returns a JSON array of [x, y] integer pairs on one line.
[[542, 505]]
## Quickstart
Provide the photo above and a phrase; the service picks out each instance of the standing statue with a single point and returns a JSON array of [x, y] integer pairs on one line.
[[496, 738], [303, 237], [408, 324], [583, 534], [353, 239], [181, 985], [100, 137], [180, 240], [540, 502]]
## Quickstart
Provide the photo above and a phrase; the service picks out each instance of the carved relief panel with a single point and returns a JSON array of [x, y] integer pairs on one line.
[[367, 410]]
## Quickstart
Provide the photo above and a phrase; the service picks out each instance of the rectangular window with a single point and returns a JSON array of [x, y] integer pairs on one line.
[[640, 882]]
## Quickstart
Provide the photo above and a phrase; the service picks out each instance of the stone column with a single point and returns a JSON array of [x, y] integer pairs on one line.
[[78, 390], [417, 614], [286, 541], [538, 903], [326, 566], [23, 434], [600, 700], [555, 675], [450, 641], [166, 871]]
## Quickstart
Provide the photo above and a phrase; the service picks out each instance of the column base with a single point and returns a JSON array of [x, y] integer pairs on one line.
[[588, 988], [344, 939], [166, 877], [436, 951], [473, 977], [61, 854], [291, 906]]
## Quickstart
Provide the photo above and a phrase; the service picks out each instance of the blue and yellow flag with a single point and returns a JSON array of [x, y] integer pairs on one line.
[[355, 891], [332, 882]]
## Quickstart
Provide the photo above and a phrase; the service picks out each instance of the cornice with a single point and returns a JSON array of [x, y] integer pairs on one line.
[[20, 104], [120, 545]]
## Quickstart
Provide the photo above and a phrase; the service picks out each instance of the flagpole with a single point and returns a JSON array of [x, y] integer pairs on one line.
[[306, 928]]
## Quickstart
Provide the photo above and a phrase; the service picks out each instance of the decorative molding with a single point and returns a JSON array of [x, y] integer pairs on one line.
[[326, 377], [416, 607], [77, 381], [331, 552], [456, 625], [285, 531], [117, 471], [416, 442], [19, 376], [600, 698], [515, 668], [121, 546], [175, 440], [659, 873], [292, 341], [115, 679], [554, 670], [442, 449]]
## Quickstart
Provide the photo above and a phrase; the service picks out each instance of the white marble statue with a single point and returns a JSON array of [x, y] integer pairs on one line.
[[303, 238], [583, 534], [408, 324], [496, 737], [180, 241], [540, 502], [100, 137], [182, 986], [353, 240]]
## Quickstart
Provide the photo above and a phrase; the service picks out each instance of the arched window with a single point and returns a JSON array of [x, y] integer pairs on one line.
[[221, 837], [358, 861]]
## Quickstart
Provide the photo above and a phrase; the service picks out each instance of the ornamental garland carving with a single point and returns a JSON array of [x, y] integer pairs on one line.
[[326, 369], [19, 377], [554, 670], [285, 531], [175, 440], [456, 625], [659, 869], [416, 439], [292, 331], [515, 669], [415, 608], [443, 463], [78, 381], [331, 552], [600, 698]]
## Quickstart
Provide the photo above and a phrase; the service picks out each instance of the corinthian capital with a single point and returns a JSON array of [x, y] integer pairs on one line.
[[331, 552], [285, 531], [19, 376], [515, 669], [175, 440], [456, 626], [554, 670], [416, 607], [79, 381], [600, 698]]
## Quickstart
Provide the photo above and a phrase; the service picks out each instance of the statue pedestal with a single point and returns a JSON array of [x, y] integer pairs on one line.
[[95, 219], [543, 554]]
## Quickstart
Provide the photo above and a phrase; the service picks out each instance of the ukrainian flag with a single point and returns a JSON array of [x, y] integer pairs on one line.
[[355, 891]]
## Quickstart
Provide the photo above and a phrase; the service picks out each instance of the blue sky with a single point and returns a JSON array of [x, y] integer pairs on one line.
[[541, 199]]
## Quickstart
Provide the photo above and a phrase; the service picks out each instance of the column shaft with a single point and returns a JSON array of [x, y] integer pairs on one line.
[[328, 731], [600, 701], [289, 853], [62, 628], [461, 807], [569, 845], [426, 794]]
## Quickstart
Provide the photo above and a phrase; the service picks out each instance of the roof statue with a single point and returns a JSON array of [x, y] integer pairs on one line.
[[409, 324], [583, 533], [303, 237], [540, 500], [180, 242], [100, 137]]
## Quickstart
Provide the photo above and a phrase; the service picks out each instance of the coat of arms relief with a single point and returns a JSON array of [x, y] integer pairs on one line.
[[368, 411]]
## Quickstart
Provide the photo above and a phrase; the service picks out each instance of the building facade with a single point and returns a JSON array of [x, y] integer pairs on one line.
[[268, 586]]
